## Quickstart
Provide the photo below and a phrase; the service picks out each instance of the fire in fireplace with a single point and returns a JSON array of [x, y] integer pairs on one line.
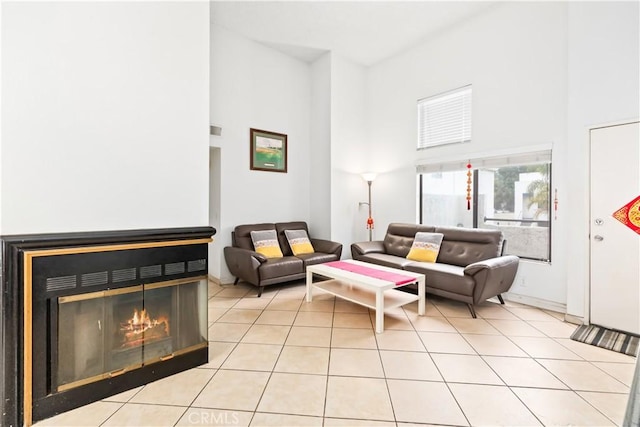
[[141, 328]]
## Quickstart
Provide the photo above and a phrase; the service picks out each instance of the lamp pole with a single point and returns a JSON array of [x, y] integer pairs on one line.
[[369, 177], [370, 225]]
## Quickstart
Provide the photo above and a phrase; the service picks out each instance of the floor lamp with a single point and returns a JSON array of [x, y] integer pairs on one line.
[[369, 177]]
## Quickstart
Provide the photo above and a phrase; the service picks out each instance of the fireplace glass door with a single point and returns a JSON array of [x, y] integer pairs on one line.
[[105, 334]]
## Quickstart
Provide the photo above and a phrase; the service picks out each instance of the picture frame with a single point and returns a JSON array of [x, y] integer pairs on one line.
[[268, 151]]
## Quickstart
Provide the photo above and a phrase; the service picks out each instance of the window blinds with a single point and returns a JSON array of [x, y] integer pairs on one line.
[[445, 118]]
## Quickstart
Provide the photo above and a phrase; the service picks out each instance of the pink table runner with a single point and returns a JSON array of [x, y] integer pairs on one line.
[[398, 279]]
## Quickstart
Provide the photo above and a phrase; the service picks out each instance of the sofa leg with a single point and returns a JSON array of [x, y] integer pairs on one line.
[[500, 299], [260, 288], [472, 310], [235, 282]]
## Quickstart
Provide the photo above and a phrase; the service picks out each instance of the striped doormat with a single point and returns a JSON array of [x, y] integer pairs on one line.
[[607, 338]]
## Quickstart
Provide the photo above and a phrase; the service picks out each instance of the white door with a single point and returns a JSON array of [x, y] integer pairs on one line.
[[615, 248]]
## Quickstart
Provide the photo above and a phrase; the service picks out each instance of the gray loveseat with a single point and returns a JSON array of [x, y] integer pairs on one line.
[[470, 266], [246, 264]]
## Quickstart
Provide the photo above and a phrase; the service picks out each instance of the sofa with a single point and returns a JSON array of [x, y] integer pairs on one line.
[[250, 266], [470, 266]]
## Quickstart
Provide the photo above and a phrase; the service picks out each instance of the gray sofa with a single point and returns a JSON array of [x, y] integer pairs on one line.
[[470, 266], [246, 264]]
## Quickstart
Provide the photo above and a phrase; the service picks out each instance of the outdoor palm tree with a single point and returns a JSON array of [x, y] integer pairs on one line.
[[539, 191]]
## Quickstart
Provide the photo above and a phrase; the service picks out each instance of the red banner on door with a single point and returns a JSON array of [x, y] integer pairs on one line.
[[629, 214]]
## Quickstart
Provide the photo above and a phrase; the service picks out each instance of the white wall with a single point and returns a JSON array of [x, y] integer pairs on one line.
[[320, 149], [105, 115], [215, 166], [253, 86], [604, 87], [514, 55], [350, 153]]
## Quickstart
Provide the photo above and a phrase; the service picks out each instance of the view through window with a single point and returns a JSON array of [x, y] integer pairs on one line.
[[513, 199]]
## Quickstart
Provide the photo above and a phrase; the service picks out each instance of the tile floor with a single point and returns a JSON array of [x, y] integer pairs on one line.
[[280, 361]]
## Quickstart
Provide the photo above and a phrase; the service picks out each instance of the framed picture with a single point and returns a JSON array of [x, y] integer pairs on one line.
[[268, 151]]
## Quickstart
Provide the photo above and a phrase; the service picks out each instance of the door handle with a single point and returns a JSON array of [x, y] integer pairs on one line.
[[598, 238]]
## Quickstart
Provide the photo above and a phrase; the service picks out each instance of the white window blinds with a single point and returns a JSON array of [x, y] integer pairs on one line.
[[445, 118]]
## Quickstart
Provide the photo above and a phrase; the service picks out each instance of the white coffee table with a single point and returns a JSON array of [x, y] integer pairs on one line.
[[365, 290]]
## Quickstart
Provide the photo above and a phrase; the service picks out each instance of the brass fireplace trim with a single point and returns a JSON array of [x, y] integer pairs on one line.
[[28, 301], [130, 289], [98, 377], [178, 353], [28, 342], [100, 294]]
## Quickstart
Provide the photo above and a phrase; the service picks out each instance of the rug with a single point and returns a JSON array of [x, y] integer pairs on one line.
[[607, 338]]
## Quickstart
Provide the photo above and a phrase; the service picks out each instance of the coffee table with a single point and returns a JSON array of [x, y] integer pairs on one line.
[[366, 284]]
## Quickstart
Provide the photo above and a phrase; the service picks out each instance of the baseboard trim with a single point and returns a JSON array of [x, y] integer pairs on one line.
[[536, 302], [576, 320], [219, 281]]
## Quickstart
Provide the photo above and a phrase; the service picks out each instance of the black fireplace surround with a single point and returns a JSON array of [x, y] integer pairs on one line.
[[56, 281]]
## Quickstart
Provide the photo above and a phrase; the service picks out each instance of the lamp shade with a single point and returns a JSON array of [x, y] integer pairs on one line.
[[369, 176]]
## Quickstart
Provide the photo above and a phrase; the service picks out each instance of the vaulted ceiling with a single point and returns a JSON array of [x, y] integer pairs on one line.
[[364, 32]]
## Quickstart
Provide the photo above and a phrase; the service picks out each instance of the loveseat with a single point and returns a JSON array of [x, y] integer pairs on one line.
[[469, 266], [246, 264]]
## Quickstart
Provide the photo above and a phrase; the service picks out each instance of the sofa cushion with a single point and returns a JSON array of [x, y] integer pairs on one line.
[[265, 242], [385, 260], [317, 258], [282, 238], [280, 267], [464, 246], [299, 242], [449, 278], [425, 247], [399, 237]]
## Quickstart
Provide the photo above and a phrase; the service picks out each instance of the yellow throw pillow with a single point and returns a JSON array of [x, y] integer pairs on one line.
[[299, 242], [426, 247], [265, 242]]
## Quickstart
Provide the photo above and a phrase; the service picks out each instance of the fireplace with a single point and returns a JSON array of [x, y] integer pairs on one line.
[[89, 315]]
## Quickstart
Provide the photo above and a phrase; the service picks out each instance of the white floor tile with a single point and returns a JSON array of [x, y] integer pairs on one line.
[[560, 407], [296, 394], [444, 342], [462, 368], [583, 376], [488, 405], [93, 414], [425, 402], [360, 398], [134, 414], [523, 372]]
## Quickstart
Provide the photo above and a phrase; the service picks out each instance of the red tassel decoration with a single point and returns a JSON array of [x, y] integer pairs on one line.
[[469, 186]]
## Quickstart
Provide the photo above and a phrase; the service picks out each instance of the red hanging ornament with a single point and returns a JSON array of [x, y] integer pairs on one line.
[[369, 223], [555, 204], [469, 186]]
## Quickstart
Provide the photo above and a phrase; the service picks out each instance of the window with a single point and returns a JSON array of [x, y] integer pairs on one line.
[[445, 118], [511, 194]]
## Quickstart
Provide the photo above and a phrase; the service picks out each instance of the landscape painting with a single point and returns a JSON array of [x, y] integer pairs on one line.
[[268, 151]]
